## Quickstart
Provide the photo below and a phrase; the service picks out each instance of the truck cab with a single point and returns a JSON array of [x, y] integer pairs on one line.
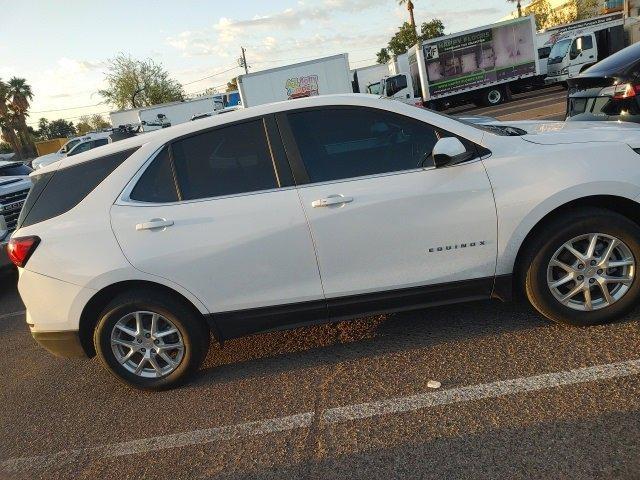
[[398, 87], [570, 56]]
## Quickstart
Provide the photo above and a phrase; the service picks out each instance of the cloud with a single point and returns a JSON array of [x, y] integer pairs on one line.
[[227, 32]]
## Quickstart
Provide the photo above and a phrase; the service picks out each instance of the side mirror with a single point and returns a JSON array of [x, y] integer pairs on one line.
[[63, 149], [446, 150]]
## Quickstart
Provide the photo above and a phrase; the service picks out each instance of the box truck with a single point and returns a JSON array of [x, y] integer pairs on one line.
[[578, 45], [166, 114], [322, 76], [364, 77], [482, 65]]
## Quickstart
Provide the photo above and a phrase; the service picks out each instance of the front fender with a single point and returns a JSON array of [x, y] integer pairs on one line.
[[514, 226]]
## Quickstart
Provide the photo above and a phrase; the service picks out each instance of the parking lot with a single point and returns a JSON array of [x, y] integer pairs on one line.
[[545, 104], [518, 397]]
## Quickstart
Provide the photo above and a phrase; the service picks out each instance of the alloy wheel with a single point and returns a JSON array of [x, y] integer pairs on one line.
[[591, 271], [147, 344]]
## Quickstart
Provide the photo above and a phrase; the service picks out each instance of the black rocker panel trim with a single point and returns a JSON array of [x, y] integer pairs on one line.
[[239, 323]]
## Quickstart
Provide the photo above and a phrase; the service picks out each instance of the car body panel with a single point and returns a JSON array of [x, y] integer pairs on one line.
[[399, 227], [243, 251]]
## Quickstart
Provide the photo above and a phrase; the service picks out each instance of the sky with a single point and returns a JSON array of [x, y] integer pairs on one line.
[[60, 47]]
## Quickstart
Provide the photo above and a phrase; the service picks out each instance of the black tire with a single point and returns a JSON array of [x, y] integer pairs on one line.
[[550, 238], [193, 330], [493, 96]]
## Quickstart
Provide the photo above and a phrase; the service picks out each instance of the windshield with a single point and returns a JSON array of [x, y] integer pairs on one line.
[[69, 145], [13, 169], [374, 88], [559, 50]]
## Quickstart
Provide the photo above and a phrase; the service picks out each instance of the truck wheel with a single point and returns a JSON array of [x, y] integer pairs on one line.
[[581, 268], [493, 96], [149, 340]]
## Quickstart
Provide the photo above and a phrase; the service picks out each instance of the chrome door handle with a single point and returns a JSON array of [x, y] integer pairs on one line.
[[154, 223], [331, 200]]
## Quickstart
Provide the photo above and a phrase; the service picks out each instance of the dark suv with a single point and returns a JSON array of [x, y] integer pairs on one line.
[[609, 90]]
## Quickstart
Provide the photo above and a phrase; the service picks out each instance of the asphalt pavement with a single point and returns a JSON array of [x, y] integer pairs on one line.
[[519, 397]]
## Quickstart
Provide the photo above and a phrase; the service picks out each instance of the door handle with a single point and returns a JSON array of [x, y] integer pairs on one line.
[[331, 200], [154, 223]]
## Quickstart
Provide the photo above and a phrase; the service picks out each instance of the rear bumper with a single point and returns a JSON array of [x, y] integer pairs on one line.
[[62, 344]]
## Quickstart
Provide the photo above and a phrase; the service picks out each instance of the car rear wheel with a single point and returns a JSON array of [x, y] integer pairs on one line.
[[582, 270], [150, 341]]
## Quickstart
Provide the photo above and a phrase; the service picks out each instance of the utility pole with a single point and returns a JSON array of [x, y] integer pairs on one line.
[[243, 60]]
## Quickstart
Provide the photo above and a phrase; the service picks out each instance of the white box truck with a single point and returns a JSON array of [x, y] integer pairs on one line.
[[364, 77], [578, 45], [482, 65], [166, 114], [322, 76]]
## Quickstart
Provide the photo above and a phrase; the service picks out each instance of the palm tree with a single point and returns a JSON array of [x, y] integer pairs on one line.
[[7, 121], [517, 2], [20, 94], [412, 20]]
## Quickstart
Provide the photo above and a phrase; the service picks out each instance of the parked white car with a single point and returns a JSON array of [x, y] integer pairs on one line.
[[324, 208], [73, 147]]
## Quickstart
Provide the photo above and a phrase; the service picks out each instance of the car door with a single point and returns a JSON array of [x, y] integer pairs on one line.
[[230, 229], [383, 218]]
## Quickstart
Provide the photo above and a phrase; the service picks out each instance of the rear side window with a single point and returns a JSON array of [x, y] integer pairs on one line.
[[224, 161], [157, 184], [55, 193], [355, 142], [100, 142]]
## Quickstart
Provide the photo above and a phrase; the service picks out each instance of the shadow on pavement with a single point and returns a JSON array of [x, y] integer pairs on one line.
[[276, 352]]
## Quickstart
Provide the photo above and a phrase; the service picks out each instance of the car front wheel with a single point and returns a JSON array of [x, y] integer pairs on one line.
[[150, 341], [582, 270]]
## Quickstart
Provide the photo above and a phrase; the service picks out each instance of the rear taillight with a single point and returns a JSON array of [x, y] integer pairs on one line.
[[623, 90], [20, 249]]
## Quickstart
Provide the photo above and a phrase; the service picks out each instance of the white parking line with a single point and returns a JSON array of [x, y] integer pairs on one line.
[[12, 314], [332, 415]]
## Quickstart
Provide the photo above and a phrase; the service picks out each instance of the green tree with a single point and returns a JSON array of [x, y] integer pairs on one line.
[[403, 39], [8, 121], [232, 85], [406, 37], [58, 129], [412, 20], [431, 29], [20, 95], [135, 83], [5, 148], [383, 56]]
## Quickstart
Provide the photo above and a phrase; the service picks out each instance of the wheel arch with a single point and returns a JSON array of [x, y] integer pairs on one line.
[[92, 309], [622, 205]]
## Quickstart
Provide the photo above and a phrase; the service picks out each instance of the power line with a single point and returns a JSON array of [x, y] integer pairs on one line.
[[67, 108], [72, 118], [212, 75]]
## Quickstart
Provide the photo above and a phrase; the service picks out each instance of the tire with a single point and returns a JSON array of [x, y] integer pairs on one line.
[[170, 314], [538, 276], [492, 97]]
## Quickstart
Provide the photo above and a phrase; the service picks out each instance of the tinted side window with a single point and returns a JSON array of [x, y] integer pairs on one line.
[[225, 161], [99, 142], [156, 184], [344, 143], [57, 192], [587, 42]]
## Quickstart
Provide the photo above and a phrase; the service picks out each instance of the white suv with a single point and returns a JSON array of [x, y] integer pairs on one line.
[[314, 210]]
